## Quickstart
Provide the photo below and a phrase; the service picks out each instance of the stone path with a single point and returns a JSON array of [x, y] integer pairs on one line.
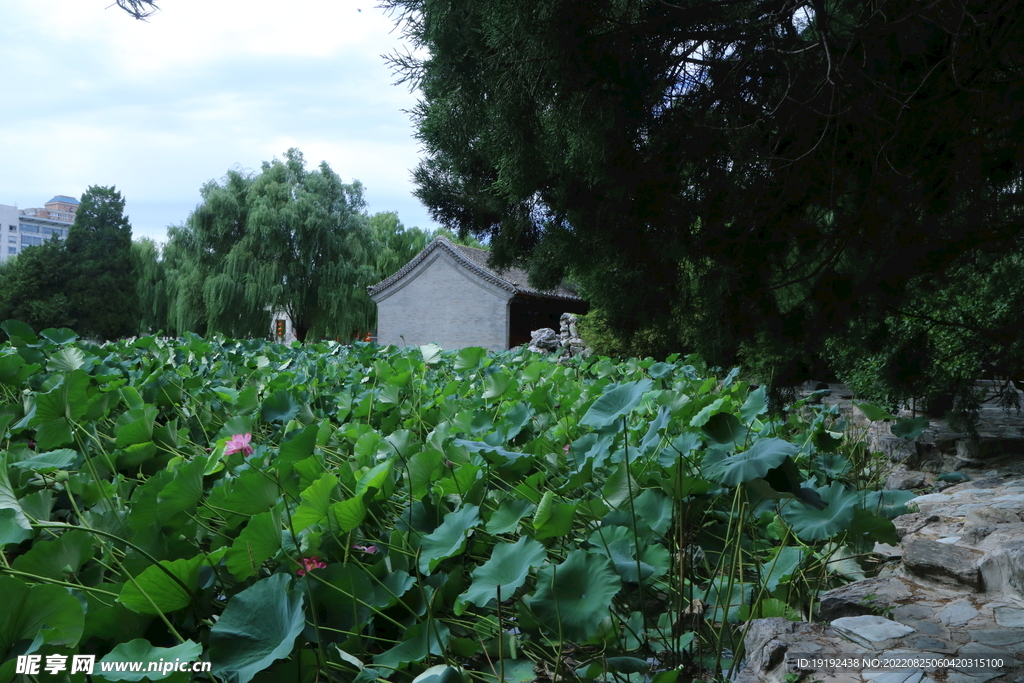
[[953, 587]]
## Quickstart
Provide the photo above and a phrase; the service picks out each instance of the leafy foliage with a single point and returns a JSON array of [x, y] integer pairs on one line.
[[741, 178], [394, 514], [286, 239]]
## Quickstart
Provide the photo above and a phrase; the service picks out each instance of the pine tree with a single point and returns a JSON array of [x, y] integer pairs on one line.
[[102, 279]]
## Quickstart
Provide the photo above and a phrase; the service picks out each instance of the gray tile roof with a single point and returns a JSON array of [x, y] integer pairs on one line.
[[64, 199], [512, 279]]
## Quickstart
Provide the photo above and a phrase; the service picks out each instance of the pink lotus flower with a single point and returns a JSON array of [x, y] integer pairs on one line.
[[239, 443], [368, 549], [309, 564]]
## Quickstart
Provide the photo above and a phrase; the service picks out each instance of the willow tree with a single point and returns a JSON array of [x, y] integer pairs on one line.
[[152, 285], [283, 239], [396, 244]]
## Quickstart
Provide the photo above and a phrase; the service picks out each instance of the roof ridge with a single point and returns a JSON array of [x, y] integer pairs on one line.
[[484, 271]]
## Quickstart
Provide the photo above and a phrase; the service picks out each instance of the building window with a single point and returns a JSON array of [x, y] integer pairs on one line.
[[28, 227], [12, 250], [12, 228], [13, 239], [31, 239]]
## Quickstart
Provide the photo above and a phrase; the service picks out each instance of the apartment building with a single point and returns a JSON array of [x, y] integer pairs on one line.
[[27, 227]]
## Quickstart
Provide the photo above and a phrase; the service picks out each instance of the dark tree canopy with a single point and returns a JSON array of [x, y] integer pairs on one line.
[[753, 177], [102, 277], [34, 286]]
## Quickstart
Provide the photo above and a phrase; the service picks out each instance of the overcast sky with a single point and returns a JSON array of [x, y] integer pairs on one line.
[[158, 108]]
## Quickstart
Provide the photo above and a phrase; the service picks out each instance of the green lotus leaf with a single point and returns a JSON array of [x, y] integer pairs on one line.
[[57, 558], [910, 427], [781, 567], [764, 455], [258, 542], [873, 412], [419, 640], [280, 406], [506, 518], [316, 500], [756, 403], [508, 567], [619, 545], [67, 359], [135, 426], [60, 459], [817, 525], [14, 525], [889, 503], [616, 402], [470, 358], [725, 429], [573, 597], [156, 591], [60, 335], [141, 650], [726, 598], [259, 626], [43, 613], [449, 539]]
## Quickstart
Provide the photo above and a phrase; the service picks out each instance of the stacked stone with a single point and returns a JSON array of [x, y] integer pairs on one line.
[[567, 342], [572, 344]]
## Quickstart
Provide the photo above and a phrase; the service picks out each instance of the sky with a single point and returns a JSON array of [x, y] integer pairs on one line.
[[158, 108]]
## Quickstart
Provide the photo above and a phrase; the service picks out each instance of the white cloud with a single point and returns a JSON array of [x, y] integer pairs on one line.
[[158, 108]]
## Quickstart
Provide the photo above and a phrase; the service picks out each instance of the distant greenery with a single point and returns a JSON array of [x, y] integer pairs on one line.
[[330, 512], [283, 239], [87, 282]]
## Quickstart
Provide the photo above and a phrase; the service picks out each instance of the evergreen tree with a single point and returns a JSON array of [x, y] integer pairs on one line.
[[102, 280], [34, 287], [757, 179]]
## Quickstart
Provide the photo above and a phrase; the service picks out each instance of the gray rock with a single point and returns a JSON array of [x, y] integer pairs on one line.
[[915, 521], [913, 611], [544, 340], [958, 614], [869, 629], [928, 643], [901, 676], [1002, 570], [946, 563], [862, 597], [904, 480], [1011, 639], [924, 626], [1009, 617]]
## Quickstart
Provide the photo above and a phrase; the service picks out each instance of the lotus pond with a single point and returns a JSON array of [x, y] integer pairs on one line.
[[357, 513]]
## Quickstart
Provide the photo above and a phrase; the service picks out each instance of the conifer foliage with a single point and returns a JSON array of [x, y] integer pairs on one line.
[[102, 278]]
